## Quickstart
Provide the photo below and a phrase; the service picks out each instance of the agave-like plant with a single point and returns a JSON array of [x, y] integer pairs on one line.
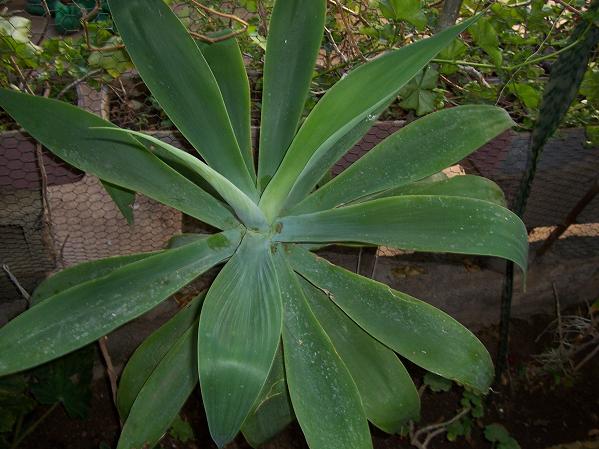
[[281, 333]]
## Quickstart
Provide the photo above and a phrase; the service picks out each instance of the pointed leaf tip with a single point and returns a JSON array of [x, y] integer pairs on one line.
[[358, 95], [239, 333], [294, 37], [174, 69], [409, 326]]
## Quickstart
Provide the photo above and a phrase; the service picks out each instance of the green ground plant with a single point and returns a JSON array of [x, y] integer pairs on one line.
[[500, 437], [281, 333], [468, 417], [64, 382]]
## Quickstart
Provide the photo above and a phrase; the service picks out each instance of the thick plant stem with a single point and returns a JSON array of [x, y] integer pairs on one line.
[[449, 14], [505, 316], [533, 157], [110, 371], [564, 82]]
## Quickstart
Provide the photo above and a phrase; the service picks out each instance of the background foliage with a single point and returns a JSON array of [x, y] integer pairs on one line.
[[505, 59]]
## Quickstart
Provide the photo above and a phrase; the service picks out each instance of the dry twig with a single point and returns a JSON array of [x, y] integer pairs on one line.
[[574, 335], [422, 437], [110, 371], [335, 46], [16, 283], [24, 82], [351, 12], [85, 18], [77, 82], [47, 209], [46, 23], [569, 7], [232, 17], [348, 29]]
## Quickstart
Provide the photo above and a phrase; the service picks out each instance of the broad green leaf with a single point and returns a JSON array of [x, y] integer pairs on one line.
[[325, 398], [15, 401], [240, 330], [436, 383], [567, 74], [408, 10], [114, 62], [184, 239], [500, 437], [485, 36], [356, 97], [16, 36], [123, 198], [589, 86], [182, 168], [515, 16], [592, 135], [273, 411], [418, 95], [496, 433], [294, 36], [416, 330], [163, 394], [81, 273], [172, 66], [181, 430], [245, 208], [418, 150], [321, 163], [258, 40], [439, 176], [453, 51], [467, 186], [67, 380], [119, 159], [420, 223], [150, 353], [80, 315], [527, 94], [226, 62], [389, 396]]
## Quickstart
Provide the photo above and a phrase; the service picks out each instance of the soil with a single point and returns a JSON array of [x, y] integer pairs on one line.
[[538, 413]]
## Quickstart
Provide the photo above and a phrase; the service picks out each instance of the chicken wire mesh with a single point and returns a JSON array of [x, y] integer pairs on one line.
[[53, 216]]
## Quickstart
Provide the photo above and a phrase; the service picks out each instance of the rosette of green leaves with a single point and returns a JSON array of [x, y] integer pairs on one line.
[[281, 332]]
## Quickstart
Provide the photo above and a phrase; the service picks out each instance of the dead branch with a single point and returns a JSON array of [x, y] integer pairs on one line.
[[225, 15], [16, 283], [431, 431], [110, 371]]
